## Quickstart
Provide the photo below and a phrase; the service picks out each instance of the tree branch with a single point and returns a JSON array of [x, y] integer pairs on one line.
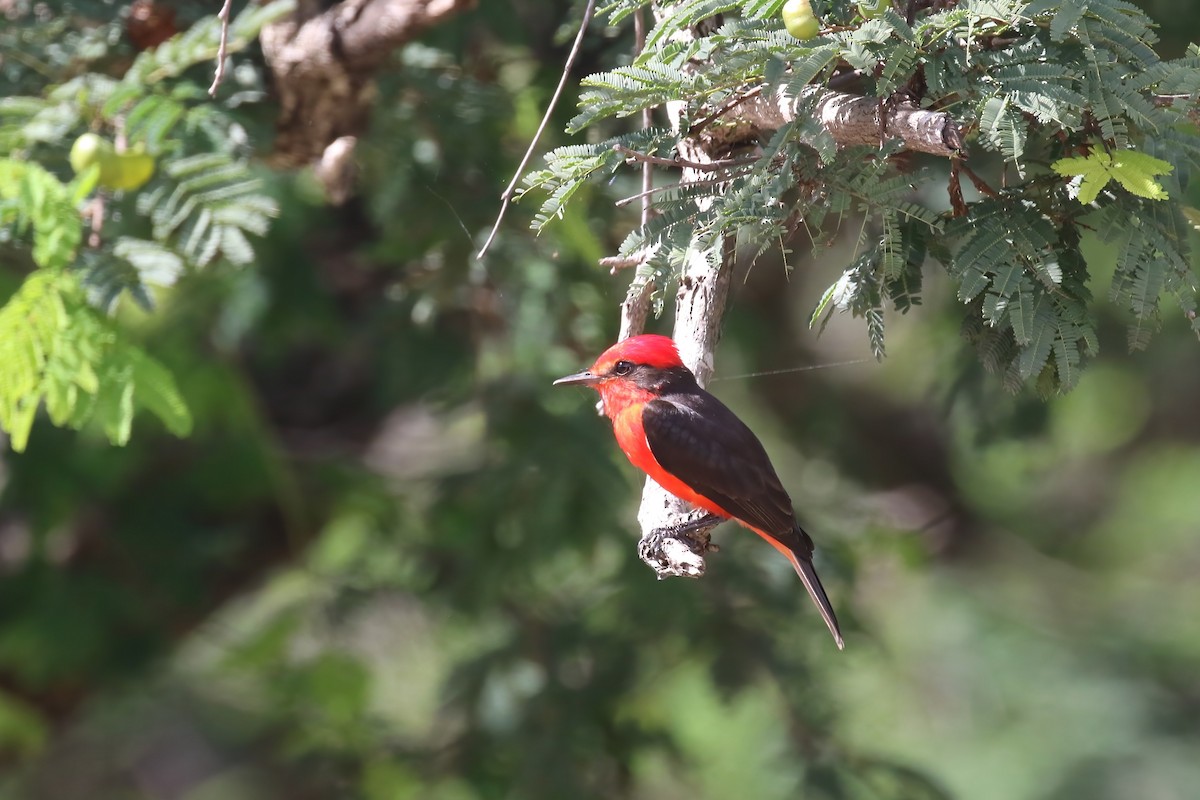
[[624, 201], [507, 195], [222, 50], [675, 535], [672, 542], [680, 161], [324, 61], [636, 306], [856, 120]]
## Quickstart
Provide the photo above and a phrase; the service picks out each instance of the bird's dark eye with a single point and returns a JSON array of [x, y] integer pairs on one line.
[[622, 368]]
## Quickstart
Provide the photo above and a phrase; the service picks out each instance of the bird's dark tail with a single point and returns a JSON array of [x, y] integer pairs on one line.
[[804, 568], [801, 557]]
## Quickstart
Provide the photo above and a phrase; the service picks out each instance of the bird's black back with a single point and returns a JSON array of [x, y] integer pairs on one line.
[[695, 437]]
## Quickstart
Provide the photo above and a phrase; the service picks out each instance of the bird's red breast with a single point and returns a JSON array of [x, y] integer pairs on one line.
[[630, 432]]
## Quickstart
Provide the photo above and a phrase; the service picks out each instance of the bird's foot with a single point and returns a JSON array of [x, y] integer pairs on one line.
[[679, 549], [684, 530]]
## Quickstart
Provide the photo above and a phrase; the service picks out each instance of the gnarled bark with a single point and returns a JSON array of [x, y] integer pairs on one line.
[[324, 62], [855, 120]]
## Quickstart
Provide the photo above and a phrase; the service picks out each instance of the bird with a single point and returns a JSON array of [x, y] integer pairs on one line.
[[693, 446]]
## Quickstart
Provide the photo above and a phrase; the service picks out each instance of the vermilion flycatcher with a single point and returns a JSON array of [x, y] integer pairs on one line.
[[693, 446]]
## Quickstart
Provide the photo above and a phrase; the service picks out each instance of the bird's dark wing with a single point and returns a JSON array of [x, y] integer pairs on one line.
[[695, 437]]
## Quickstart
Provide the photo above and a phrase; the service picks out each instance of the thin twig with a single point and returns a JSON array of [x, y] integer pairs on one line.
[[1169, 99], [645, 196], [635, 259], [639, 35], [222, 49], [95, 213], [789, 370], [957, 204], [1166, 100], [981, 185], [636, 306], [506, 197], [677, 161], [728, 106]]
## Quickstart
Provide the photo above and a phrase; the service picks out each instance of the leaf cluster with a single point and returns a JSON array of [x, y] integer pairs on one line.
[[56, 348], [204, 206], [1044, 92]]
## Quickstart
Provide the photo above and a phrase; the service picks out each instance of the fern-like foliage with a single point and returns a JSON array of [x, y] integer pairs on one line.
[[568, 169], [56, 350], [204, 201], [1027, 285], [1063, 93], [90, 246], [35, 203], [206, 208]]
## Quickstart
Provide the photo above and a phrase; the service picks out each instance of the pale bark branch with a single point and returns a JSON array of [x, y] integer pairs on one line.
[[222, 49], [635, 309], [324, 60], [669, 544], [699, 308], [855, 120]]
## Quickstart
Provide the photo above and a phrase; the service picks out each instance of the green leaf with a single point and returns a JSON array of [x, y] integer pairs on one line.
[[822, 305], [1135, 171], [58, 350], [215, 201], [41, 202], [156, 392], [84, 183], [1095, 171], [1021, 312], [1034, 354], [155, 264]]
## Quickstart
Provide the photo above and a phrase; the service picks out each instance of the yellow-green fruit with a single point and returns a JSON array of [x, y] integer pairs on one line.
[[127, 171], [89, 149], [871, 9], [124, 171], [799, 20]]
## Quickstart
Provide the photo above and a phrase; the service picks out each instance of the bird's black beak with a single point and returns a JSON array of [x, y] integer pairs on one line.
[[585, 378]]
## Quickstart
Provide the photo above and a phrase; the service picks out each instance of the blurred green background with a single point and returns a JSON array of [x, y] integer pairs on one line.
[[393, 562]]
